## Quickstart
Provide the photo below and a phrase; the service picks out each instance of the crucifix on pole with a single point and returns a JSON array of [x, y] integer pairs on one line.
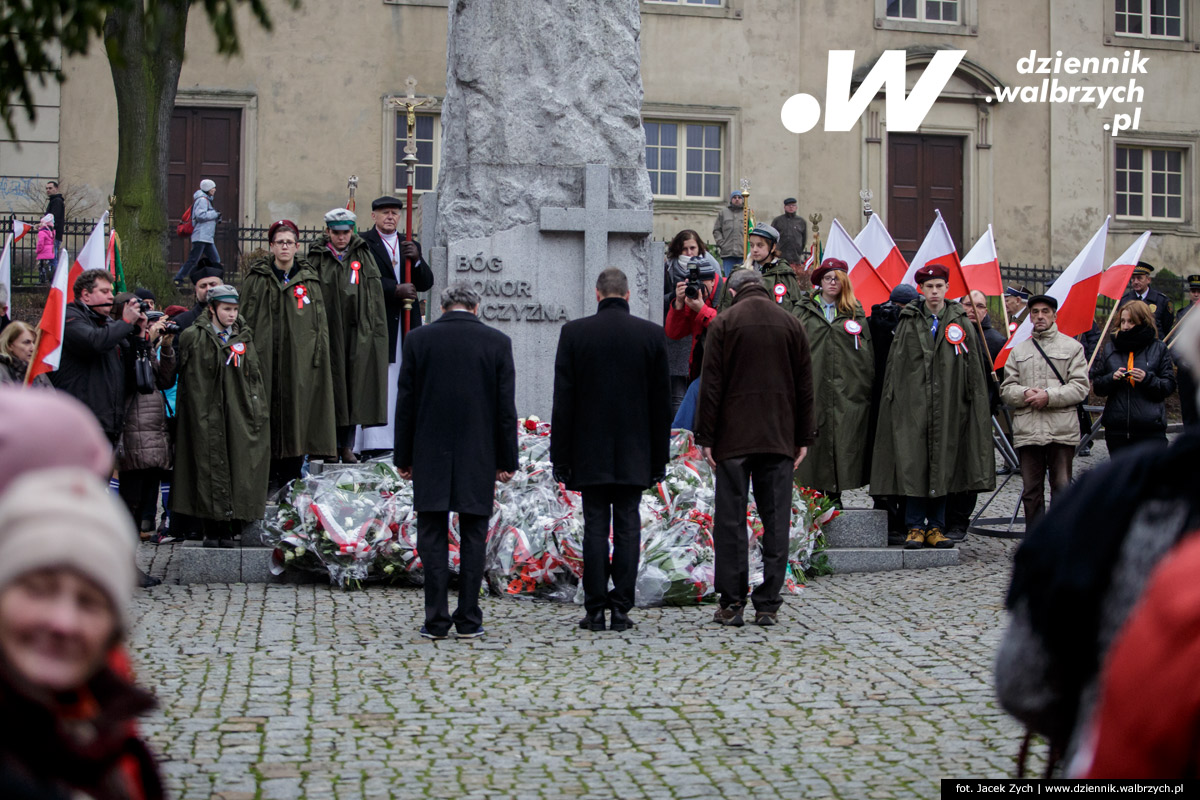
[[596, 221], [410, 104]]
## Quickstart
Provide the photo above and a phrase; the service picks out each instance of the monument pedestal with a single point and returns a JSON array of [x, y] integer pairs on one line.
[[857, 541]]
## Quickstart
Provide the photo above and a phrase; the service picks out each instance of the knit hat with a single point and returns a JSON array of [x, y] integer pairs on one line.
[[42, 430], [67, 517], [207, 186], [903, 294], [340, 218], [734, 194], [145, 294], [47, 220]]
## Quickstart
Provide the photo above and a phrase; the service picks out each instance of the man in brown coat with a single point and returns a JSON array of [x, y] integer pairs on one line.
[[755, 421]]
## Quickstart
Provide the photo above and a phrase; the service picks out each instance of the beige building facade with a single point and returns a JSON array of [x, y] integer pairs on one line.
[[307, 105]]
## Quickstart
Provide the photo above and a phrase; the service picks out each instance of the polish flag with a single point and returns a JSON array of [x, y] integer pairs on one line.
[[1116, 277], [880, 249], [50, 326], [1075, 290], [20, 229], [938, 248], [92, 254], [869, 288], [981, 266], [6, 263]]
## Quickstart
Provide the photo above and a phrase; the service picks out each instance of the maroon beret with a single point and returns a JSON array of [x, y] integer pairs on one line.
[[931, 272], [828, 265], [283, 223]]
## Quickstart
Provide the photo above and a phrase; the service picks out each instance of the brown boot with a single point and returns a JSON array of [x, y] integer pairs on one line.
[[348, 456]]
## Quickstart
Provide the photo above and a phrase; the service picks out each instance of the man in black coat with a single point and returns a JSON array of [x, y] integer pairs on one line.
[[610, 438], [390, 250], [1160, 304], [204, 276], [91, 369], [57, 208], [456, 435]]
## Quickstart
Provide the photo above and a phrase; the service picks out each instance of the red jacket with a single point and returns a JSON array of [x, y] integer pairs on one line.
[[1148, 720], [679, 324]]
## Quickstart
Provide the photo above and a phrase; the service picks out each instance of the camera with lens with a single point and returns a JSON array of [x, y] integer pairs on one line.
[[695, 288], [154, 316], [144, 307]]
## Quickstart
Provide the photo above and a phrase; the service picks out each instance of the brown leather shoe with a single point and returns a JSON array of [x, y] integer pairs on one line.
[[935, 538], [730, 616], [348, 456], [915, 540]]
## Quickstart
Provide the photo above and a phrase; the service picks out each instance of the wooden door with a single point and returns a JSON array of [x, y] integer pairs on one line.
[[206, 143], [925, 173]]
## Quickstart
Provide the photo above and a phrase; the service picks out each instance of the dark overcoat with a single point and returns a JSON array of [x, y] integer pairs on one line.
[[222, 453], [934, 436], [91, 369], [456, 415], [390, 278], [611, 422], [292, 339], [843, 367], [358, 337], [1160, 307]]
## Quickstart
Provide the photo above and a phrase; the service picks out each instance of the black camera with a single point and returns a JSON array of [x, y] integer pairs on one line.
[[154, 316], [144, 307], [695, 288]]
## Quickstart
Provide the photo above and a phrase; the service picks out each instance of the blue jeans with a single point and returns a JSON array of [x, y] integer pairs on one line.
[[727, 265], [685, 417], [198, 249], [919, 509]]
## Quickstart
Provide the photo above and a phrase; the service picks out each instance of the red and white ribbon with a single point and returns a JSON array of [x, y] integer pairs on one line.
[[236, 351], [854, 329], [780, 291], [355, 266], [302, 300], [956, 336]]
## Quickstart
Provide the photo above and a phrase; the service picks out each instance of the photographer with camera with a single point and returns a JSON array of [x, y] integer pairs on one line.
[[693, 309], [144, 450]]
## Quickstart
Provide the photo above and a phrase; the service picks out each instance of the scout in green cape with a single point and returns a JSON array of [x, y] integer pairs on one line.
[[777, 274], [222, 450], [843, 372], [358, 334], [283, 303], [934, 434]]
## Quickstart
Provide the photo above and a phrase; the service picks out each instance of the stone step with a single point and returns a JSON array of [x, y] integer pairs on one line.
[[857, 527], [884, 559], [199, 564]]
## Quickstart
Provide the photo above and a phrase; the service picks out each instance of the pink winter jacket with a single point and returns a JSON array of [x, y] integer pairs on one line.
[[45, 244]]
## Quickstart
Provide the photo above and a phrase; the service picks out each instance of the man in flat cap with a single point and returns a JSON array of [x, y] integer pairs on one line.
[[934, 431], [792, 235], [358, 333], [1045, 378], [390, 250], [1016, 299], [1160, 305]]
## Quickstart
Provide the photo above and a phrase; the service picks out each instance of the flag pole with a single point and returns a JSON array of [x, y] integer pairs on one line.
[[29, 367], [1103, 333]]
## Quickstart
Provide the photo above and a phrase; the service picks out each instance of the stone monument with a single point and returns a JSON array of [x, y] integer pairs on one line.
[[543, 179]]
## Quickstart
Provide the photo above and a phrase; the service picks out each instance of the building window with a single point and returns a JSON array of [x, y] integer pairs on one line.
[[1156, 19], [1149, 183], [924, 10], [428, 136], [684, 159]]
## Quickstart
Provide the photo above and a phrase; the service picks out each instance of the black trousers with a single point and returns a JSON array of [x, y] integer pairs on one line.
[[960, 506], [772, 477], [139, 490], [433, 546], [616, 506], [1116, 442]]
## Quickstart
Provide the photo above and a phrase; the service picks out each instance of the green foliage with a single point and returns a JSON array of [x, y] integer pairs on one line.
[[31, 28]]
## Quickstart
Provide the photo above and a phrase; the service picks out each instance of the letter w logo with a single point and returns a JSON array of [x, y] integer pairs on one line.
[[801, 112]]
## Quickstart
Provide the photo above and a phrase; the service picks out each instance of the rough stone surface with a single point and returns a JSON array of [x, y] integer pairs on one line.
[[209, 564], [528, 107], [930, 557], [857, 527], [864, 559]]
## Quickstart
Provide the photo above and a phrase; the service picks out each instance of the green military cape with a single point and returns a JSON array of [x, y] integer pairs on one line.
[[293, 343], [222, 453], [838, 461], [774, 273], [934, 434], [358, 333]]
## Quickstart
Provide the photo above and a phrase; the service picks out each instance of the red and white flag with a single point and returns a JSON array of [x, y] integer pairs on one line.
[[869, 288], [880, 249], [981, 266], [1075, 290], [1116, 277], [20, 229], [50, 326], [92, 254], [938, 248], [6, 264]]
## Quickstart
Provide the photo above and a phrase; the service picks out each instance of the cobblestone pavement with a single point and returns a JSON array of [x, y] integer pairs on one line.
[[873, 686]]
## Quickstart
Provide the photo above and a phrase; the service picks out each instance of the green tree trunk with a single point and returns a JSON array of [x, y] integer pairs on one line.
[[145, 55]]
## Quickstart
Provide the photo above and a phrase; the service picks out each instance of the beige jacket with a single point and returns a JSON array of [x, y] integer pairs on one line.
[[1057, 422]]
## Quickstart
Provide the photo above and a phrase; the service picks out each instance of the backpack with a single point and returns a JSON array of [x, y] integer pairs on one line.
[[185, 227]]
